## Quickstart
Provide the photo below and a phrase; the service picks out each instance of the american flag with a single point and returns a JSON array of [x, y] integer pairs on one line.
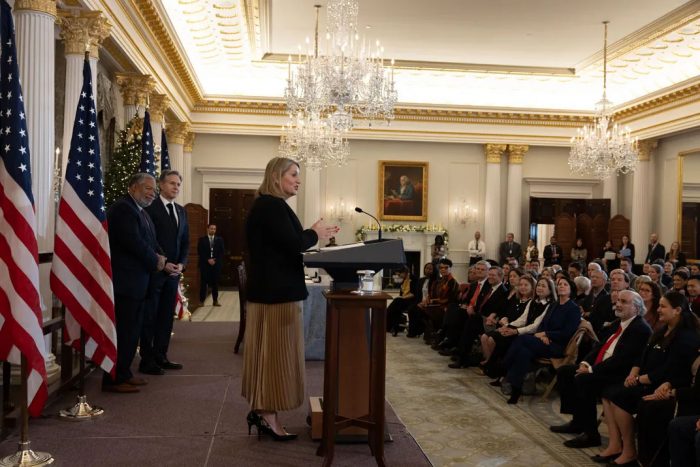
[[164, 154], [148, 159], [21, 331], [81, 273]]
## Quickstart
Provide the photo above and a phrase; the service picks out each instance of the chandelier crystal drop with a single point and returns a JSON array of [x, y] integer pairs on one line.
[[313, 142], [603, 148]]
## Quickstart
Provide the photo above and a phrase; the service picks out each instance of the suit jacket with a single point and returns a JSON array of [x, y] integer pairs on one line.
[[505, 252], [601, 312], [629, 347], [548, 260], [133, 247], [175, 241], [485, 290], [658, 252], [560, 323], [205, 252], [275, 243], [494, 302]]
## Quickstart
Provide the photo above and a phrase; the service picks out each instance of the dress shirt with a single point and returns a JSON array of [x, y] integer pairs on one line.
[[476, 250], [165, 203], [611, 348], [475, 297]]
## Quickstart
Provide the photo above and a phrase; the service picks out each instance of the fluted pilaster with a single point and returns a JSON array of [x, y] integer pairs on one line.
[[514, 204], [158, 105], [610, 191], [640, 222], [187, 168], [136, 90], [492, 205], [176, 134]]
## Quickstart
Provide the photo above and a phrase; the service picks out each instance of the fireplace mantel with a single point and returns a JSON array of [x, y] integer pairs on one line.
[[412, 241]]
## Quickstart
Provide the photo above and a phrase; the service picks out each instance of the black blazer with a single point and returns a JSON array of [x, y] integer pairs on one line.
[[275, 243], [504, 252], [496, 303], [627, 350], [548, 260], [205, 252], [485, 290], [601, 312], [659, 252], [133, 247], [175, 242]]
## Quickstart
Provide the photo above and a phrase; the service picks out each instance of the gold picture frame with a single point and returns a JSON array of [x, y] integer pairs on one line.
[[403, 191]]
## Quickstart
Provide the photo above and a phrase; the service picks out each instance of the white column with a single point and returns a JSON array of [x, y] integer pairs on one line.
[[492, 205], [186, 191], [311, 182], [610, 192], [176, 133], [36, 56], [641, 196], [515, 191]]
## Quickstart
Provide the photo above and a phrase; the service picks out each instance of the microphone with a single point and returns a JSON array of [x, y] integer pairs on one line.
[[358, 209]]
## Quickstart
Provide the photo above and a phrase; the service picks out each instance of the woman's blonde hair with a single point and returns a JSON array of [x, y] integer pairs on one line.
[[271, 184]]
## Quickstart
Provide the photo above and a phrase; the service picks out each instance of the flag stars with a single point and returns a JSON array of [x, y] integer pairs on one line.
[[9, 94], [91, 165], [92, 138], [80, 121], [8, 130], [83, 94], [90, 193], [23, 150], [79, 163], [7, 148], [82, 108], [21, 115], [91, 179], [91, 151], [8, 112], [80, 135], [77, 176], [92, 124], [23, 167], [22, 132]]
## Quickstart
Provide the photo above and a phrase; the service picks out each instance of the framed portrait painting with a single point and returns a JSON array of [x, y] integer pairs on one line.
[[403, 191]]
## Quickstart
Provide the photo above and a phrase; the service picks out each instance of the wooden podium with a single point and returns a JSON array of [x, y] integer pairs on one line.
[[353, 384]]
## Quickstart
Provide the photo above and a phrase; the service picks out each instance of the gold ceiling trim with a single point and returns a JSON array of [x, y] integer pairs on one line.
[[118, 55], [251, 11], [664, 102]]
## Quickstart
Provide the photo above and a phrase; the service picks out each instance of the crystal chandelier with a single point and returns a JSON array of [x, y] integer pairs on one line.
[[603, 148], [313, 141], [326, 92]]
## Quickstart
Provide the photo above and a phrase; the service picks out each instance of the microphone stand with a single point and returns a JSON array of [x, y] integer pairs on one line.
[[358, 209]]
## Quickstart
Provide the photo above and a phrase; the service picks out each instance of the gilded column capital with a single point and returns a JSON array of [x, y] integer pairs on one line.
[[189, 142], [82, 29], [516, 153], [43, 6], [136, 88], [494, 152], [157, 106], [177, 132], [646, 147]]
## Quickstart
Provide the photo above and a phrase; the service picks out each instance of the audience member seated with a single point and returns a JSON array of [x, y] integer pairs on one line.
[[483, 317], [651, 294], [457, 313], [579, 253], [680, 282], [547, 273], [667, 358], [655, 272], [575, 269], [409, 294], [416, 321], [602, 310], [553, 334], [693, 289], [609, 362], [496, 343], [583, 299], [694, 269], [626, 265], [593, 266], [445, 291]]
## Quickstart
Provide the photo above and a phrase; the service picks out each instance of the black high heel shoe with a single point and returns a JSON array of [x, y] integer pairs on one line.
[[263, 427], [515, 395], [253, 419]]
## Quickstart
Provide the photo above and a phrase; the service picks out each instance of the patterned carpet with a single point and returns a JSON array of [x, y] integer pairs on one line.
[[459, 420]]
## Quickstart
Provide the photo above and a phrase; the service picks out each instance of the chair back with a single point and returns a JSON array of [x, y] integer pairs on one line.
[[585, 329], [242, 285]]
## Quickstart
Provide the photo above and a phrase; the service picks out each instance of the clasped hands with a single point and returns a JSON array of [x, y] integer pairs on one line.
[[663, 392], [543, 337], [170, 268]]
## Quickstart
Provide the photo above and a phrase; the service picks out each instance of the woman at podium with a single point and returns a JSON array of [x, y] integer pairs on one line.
[[273, 354]]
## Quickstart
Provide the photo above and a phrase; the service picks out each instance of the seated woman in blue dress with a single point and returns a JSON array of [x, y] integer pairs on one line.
[[553, 334]]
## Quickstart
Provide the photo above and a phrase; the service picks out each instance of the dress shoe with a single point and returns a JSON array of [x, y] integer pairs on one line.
[[497, 383], [151, 370], [447, 351], [604, 459], [568, 428], [584, 440], [168, 365], [134, 381], [122, 388], [457, 365], [515, 393], [216, 304]]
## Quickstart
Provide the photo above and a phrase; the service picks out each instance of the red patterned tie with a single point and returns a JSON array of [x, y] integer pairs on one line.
[[607, 345]]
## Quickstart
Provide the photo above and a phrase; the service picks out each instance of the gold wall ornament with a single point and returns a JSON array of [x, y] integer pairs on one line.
[[157, 106], [494, 152], [645, 148], [176, 132], [43, 6], [516, 153], [135, 88], [189, 142], [81, 27]]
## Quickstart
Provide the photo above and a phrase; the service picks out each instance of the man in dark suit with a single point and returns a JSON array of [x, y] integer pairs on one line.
[[485, 313], [509, 249], [602, 311], [173, 236], [211, 256], [608, 362], [656, 250], [552, 252], [135, 255]]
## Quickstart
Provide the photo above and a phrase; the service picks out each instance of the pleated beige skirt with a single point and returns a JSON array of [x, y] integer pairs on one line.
[[273, 356]]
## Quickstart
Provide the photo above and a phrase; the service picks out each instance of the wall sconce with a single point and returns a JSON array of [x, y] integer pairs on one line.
[[338, 210], [464, 213]]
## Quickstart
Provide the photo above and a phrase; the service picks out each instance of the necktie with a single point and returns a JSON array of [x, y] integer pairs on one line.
[[472, 302], [171, 211], [607, 345], [477, 246], [211, 247]]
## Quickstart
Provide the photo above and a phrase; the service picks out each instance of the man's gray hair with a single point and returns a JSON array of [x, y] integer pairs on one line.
[[620, 271], [595, 265], [637, 301], [583, 283], [483, 262], [603, 273], [139, 178]]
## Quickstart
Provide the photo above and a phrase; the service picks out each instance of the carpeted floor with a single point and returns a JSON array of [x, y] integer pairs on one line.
[[195, 417]]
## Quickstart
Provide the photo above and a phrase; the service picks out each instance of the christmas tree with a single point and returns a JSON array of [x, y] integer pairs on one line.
[[124, 162]]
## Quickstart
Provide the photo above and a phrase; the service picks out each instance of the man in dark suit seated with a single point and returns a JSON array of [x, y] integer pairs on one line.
[[135, 255], [173, 235], [602, 310], [481, 317], [210, 249], [509, 249], [608, 362], [552, 252]]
